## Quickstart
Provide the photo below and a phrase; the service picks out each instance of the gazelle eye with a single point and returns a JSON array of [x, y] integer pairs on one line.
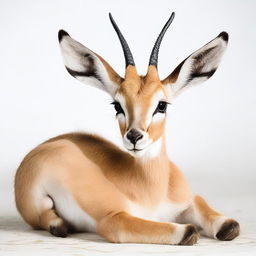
[[161, 107], [118, 107]]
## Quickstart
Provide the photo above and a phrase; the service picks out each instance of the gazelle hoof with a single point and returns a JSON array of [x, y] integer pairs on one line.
[[228, 231], [59, 231], [191, 236]]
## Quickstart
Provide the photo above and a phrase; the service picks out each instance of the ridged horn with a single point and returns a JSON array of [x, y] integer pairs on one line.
[[127, 52], [154, 54]]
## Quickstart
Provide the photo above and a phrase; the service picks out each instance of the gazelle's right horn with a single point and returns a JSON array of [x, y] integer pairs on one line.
[[127, 52]]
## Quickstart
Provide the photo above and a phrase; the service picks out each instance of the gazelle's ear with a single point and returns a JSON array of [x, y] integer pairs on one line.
[[198, 67], [87, 66]]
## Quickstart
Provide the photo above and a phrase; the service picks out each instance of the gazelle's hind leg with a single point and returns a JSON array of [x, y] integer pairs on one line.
[[50, 221], [212, 223]]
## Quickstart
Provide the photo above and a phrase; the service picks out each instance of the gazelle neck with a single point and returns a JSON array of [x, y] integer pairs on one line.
[[155, 162], [156, 151], [151, 173]]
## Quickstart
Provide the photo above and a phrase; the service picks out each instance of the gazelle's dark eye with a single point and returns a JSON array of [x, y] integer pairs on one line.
[[118, 107], [161, 107]]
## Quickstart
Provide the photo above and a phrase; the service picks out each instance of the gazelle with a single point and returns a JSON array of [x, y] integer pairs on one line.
[[82, 182]]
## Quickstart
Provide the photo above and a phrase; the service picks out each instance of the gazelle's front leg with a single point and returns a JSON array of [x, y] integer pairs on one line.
[[121, 227], [212, 223]]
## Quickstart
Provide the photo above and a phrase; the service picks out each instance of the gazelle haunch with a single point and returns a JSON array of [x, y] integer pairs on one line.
[[81, 182]]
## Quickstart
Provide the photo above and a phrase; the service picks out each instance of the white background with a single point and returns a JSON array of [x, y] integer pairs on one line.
[[211, 128]]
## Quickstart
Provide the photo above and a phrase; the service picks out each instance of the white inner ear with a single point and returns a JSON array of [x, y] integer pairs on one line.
[[79, 58], [196, 67], [73, 54]]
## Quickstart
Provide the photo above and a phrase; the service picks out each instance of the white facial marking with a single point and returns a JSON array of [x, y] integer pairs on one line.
[[121, 99], [121, 118], [151, 151], [160, 96], [158, 117], [140, 145], [145, 146]]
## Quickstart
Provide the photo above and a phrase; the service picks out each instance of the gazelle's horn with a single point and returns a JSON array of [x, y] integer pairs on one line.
[[127, 52], [154, 54]]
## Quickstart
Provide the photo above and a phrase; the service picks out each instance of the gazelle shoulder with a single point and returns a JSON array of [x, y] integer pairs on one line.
[[179, 190]]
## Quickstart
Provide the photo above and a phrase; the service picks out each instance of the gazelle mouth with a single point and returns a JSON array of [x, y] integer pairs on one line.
[[135, 150]]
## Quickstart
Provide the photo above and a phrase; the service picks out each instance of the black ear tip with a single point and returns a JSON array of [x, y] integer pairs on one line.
[[224, 36], [61, 34]]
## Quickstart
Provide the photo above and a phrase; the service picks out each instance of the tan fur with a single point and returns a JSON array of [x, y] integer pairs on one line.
[[139, 91], [155, 130], [111, 72], [171, 79], [209, 215], [26, 179], [122, 227], [47, 217], [122, 128], [110, 188], [87, 165], [179, 190], [77, 159]]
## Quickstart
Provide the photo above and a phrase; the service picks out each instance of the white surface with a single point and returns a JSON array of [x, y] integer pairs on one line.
[[211, 128]]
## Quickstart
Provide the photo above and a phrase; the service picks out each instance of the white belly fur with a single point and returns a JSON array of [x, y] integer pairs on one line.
[[68, 208], [163, 212]]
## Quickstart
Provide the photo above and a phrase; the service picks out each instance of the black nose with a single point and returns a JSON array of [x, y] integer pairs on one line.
[[133, 136]]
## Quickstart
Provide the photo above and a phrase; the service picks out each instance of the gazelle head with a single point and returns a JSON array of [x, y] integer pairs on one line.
[[141, 101]]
